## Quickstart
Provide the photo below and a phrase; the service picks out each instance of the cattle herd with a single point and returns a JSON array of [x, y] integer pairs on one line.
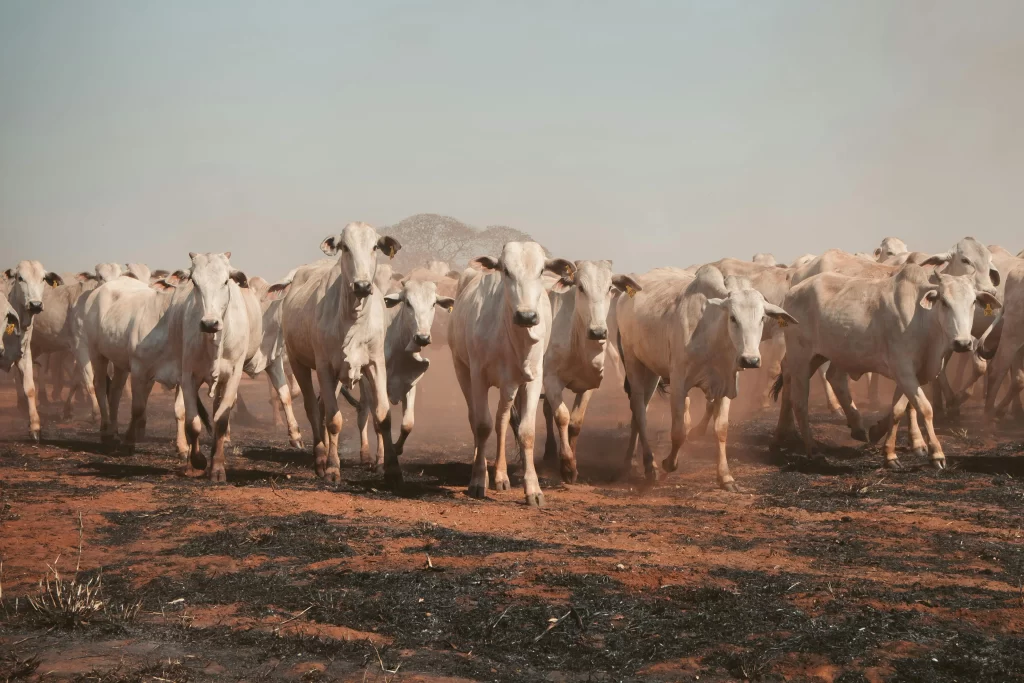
[[529, 325]]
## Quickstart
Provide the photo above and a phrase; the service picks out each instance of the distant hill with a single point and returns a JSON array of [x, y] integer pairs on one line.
[[431, 236]]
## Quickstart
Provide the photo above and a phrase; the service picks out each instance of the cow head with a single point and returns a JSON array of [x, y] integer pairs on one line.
[[10, 336], [968, 257], [104, 272], [746, 310], [891, 246], [596, 284], [953, 300], [212, 279], [358, 245], [30, 281], [763, 259], [139, 271], [419, 298], [521, 265]]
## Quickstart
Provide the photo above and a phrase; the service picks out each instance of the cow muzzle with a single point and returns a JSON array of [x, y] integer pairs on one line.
[[597, 333], [526, 318], [750, 362], [362, 288], [35, 306], [209, 325], [422, 339], [962, 345]]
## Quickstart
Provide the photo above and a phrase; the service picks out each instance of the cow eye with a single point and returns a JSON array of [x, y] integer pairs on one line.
[[732, 318], [966, 260]]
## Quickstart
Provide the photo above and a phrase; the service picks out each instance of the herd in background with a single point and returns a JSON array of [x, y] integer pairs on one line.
[[530, 326]]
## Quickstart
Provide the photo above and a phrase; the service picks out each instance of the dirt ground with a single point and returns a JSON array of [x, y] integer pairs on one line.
[[827, 570]]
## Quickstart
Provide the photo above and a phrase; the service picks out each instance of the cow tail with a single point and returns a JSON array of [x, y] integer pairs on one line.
[[625, 375], [350, 398], [777, 387], [663, 386], [203, 415]]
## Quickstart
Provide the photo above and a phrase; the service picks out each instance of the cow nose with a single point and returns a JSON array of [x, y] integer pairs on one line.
[[35, 306], [422, 339], [597, 333], [209, 325], [362, 288], [961, 345], [750, 362], [526, 318]]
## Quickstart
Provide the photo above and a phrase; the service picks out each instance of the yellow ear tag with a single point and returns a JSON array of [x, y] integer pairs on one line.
[[54, 284], [451, 308], [391, 252], [630, 291], [10, 329], [783, 323], [988, 311]]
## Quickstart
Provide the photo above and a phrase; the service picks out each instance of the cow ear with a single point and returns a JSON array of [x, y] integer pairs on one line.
[[53, 279], [9, 273], [445, 302], [227, 254], [454, 274], [178, 277], [559, 266], [563, 284], [994, 274], [397, 276], [776, 312], [388, 245], [130, 274], [240, 279], [878, 252], [987, 300], [929, 299], [331, 245], [393, 299], [85, 276], [715, 302], [938, 259], [485, 262], [278, 290], [192, 255], [163, 285], [624, 283]]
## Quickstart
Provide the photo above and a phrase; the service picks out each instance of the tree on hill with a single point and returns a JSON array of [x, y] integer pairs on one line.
[[430, 236]]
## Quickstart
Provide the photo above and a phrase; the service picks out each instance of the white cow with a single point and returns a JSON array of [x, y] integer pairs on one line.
[[1003, 344], [29, 282], [695, 331], [499, 330], [333, 320], [890, 247], [575, 356], [900, 327], [763, 259], [409, 320]]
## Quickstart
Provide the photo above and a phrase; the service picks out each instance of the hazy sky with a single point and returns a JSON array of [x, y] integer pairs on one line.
[[653, 133]]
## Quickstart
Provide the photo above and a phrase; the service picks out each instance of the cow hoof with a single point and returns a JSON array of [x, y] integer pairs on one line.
[[34, 435], [67, 415], [893, 464], [859, 434], [729, 486], [669, 465], [296, 443], [218, 475], [393, 477], [399, 449], [876, 432], [477, 491], [535, 500], [651, 475], [939, 463], [920, 452], [502, 484], [569, 474], [332, 475], [198, 461]]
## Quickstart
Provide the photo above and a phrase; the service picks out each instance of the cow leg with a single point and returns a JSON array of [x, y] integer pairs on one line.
[[482, 424], [919, 401], [725, 480], [702, 427], [899, 405], [785, 429], [382, 420], [181, 441], [1012, 391], [680, 421], [799, 387], [279, 384], [274, 400], [501, 417], [643, 383], [918, 447], [25, 378], [118, 381], [831, 401], [840, 382], [874, 384], [527, 434], [141, 389], [553, 390], [997, 368], [579, 411], [193, 423], [408, 419], [328, 466], [227, 395], [304, 376], [100, 384], [550, 438]]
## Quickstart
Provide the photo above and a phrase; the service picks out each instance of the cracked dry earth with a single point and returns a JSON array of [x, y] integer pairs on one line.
[[821, 570]]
